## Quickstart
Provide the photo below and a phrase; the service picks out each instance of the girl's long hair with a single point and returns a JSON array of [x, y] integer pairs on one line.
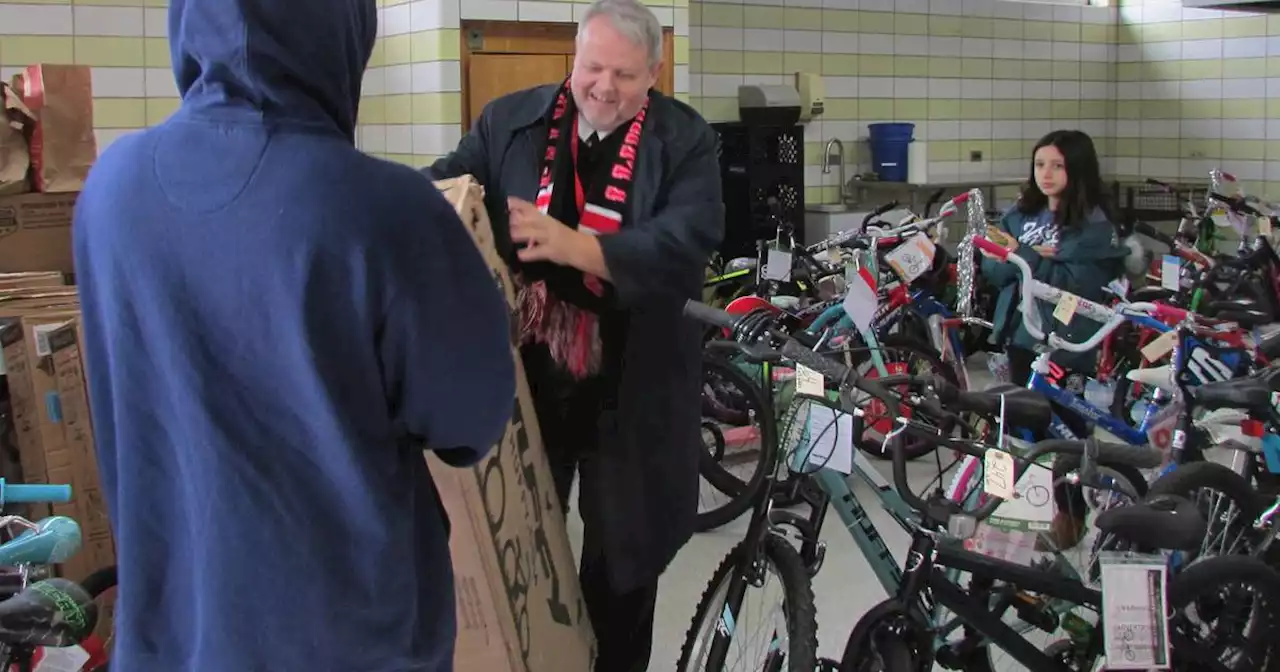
[[1085, 190]]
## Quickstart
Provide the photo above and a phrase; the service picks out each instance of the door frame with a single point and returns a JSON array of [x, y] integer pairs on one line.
[[537, 37]]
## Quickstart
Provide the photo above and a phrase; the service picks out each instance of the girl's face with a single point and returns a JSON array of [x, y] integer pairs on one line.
[[1051, 171]]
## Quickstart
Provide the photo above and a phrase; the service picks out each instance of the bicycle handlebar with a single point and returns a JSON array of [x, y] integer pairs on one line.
[[33, 493], [1032, 289], [877, 212]]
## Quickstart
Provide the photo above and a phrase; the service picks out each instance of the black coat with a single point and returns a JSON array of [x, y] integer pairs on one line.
[[639, 493]]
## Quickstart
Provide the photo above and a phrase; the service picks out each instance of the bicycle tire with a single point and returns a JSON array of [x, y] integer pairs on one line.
[[895, 657], [799, 610], [1208, 576], [912, 450], [742, 494], [1188, 478]]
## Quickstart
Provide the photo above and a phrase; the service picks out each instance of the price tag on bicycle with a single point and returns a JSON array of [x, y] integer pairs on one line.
[[1134, 611], [778, 265], [997, 474], [1066, 308], [809, 382], [1160, 346], [913, 258], [1264, 226]]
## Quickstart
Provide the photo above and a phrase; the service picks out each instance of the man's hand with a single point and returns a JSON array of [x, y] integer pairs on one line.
[[549, 240]]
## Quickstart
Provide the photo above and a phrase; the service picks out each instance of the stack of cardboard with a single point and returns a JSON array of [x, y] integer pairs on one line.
[[47, 146], [50, 437]]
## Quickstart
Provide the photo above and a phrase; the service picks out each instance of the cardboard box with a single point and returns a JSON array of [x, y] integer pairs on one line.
[[35, 232], [32, 280], [520, 606], [98, 548]]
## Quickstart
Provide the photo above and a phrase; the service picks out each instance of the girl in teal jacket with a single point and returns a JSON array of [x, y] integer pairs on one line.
[[1061, 227]]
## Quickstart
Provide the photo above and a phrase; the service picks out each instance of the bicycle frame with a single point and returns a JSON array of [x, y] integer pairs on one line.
[[922, 574]]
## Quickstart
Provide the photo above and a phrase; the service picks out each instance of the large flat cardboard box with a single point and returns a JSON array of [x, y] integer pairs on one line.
[[35, 232], [520, 606]]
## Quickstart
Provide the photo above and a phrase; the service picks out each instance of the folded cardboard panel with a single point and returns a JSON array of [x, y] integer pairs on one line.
[[35, 232], [520, 606]]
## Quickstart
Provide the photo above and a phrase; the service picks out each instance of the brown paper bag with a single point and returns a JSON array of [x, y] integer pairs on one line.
[[62, 147], [15, 119]]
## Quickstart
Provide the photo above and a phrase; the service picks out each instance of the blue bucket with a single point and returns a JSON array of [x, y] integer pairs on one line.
[[890, 144]]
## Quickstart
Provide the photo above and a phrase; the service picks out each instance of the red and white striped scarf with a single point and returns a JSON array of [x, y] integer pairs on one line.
[[572, 333]]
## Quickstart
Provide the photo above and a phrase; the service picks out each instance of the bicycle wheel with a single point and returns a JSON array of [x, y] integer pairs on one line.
[[886, 640], [1217, 589], [790, 645], [1228, 502], [743, 433], [900, 355]]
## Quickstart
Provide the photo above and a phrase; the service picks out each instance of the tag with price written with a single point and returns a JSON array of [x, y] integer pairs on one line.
[[997, 474], [809, 382], [1066, 308], [1134, 608], [913, 258]]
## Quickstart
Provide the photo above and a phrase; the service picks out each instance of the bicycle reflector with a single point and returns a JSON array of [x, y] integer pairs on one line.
[[1252, 428]]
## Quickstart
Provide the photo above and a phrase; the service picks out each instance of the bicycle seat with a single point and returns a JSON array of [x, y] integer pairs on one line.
[[1150, 293], [1238, 304], [1247, 394], [52, 612], [739, 263], [54, 540], [1249, 319], [1022, 407], [1163, 522]]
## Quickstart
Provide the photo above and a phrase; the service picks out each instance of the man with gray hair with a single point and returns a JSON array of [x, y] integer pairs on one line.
[[605, 199]]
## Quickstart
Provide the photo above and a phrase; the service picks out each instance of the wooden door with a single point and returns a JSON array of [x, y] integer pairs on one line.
[[499, 57], [494, 75]]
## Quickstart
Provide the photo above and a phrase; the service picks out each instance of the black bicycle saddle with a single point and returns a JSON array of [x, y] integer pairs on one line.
[[1150, 293], [1163, 522], [52, 612], [1270, 345], [1251, 394], [1022, 407]]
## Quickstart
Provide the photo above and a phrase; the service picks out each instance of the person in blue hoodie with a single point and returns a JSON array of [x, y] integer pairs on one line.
[[276, 325], [1062, 227]]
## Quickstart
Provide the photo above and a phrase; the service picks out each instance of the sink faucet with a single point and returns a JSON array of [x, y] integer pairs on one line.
[[826, 163]]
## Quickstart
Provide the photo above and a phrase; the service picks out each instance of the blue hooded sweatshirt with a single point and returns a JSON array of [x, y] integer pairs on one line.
[[275, 326]]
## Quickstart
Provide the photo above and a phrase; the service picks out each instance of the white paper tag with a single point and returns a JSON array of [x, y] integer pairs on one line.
[[1066, 308], [830, 438], [1031, 508], [778, 265], [1134, 612], [997, 474], [61, 659], [809, 382], [1170, 270], [1160, 346], [861, 301], [41, 332], [913, 257]]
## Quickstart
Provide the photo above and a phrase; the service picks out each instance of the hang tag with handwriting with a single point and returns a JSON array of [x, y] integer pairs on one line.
[[1066, 309], [997, 476], [809, 382], [1160, 346]]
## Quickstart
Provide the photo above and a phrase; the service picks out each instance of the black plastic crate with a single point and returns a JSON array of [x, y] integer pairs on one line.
[[759, 146]]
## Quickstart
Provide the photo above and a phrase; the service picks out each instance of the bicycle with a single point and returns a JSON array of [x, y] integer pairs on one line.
[[719, 610]]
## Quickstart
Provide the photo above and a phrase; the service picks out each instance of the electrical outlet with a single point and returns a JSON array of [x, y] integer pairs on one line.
[[975, 156]]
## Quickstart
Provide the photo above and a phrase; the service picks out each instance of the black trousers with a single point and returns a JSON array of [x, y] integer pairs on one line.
[[1068, 498], [568, 415]]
